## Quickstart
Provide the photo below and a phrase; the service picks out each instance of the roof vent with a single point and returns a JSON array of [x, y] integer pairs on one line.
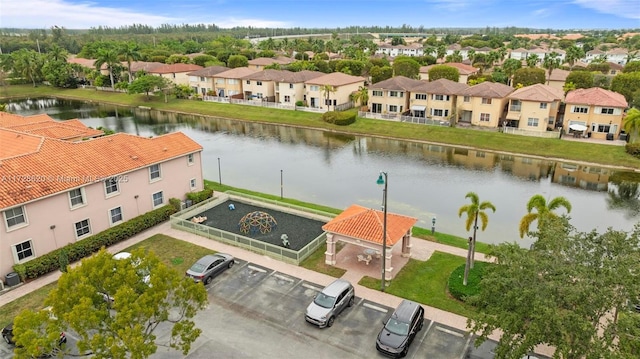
[[134, 157], [164, 149]]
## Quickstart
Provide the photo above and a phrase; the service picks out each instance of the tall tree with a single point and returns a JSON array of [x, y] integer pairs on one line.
[[510, 66], [27, 63], [543, 211], [474, 211], [565, 294], [107, 56], [532, 60], [327, 90], [130, 52], [573, 54], [362, 96], [115, 310], [631, 124], [551, 62]]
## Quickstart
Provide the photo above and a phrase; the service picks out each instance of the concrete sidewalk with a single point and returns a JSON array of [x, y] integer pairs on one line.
[[421, 249]]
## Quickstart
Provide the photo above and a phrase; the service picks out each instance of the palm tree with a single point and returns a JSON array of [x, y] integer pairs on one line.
[[474, 211], [327, 90], [27, 63], [631, 123], [129, 51], [574, 53], [108, 56], [551, 61], [362, 96], [57, 53], [543, 210], [532, 60]]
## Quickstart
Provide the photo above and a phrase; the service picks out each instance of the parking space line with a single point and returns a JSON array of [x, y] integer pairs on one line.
[[283, 277], [309, 286], [466, 347], [375, 307], [449, 331]]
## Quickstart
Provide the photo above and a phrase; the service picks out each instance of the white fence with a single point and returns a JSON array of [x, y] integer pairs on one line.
[[517, 131], [400, 118]]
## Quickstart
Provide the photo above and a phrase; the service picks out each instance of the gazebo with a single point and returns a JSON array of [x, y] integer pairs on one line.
[[364, 227]]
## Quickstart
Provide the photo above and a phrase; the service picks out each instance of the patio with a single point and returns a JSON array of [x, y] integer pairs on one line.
[[347, 258]]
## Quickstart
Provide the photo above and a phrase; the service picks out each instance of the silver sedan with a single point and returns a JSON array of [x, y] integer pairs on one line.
[[209, 266]]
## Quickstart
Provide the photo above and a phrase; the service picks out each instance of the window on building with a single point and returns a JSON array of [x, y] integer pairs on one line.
[[192, 183], [486, 101], [248, 82], [259, 83], [439, 112], [15, 216], [190, 159], [580, 109], [466, 99], [290, 86], [232, 81], [115, 215], [396, 94], [485, 117], [76, 197], [111, 186], [552, 120], [543, 105], [201, 78], [376, 108], [606, 111], [532, 122], [82, 228], [314, 88], [597, 127], [287, 98], [158, 199], [421, 96], [377, 93], [393, 108], [441, 97], [154, 171], [23, 250]]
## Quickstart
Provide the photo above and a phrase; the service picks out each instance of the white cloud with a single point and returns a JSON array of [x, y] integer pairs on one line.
[[233, 22], [622, 8], [451, 5], [40, 14]]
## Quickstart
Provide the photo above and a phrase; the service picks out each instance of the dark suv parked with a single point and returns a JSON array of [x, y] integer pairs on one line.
[[400, 329]]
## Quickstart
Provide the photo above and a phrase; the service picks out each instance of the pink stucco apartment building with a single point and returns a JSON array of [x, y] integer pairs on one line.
[[60, 184]]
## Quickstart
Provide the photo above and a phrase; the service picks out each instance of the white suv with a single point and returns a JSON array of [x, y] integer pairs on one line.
[[333, 299]]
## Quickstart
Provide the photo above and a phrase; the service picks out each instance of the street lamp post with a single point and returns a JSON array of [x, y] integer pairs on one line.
[[433, 225], [384, 181]]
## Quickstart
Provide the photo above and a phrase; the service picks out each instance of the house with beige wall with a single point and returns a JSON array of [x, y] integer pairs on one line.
[[176, 73], [261, 85], [229, 83], [391, 96], [202, 81], [557, 79], [463, 69], [261, 62], [341, 85], [600, 110], [55, 192], [291, 88], [436, 99], [534, 108], [483, 104]]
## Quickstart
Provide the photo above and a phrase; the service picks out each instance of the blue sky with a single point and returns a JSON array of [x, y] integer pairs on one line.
[[556, 14]]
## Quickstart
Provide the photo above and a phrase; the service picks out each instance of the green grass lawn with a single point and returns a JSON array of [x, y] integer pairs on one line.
[[426, 282], [488, 140], [315, 262]]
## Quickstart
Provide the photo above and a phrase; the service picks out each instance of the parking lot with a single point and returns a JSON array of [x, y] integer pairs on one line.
[[255, 312]]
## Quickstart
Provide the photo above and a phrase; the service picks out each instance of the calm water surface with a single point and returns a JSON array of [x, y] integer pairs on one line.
[[425, 180]]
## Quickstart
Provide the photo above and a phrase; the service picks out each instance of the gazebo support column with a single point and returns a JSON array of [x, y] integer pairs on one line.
[[330, 254], [388, 268], [406, 245]]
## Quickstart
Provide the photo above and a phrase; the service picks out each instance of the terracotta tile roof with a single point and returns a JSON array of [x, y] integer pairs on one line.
[[46, 126], [143, 66], [236, 73], [557, 75], [335, 79], [16, 143], [596, 96], [368, 225], [54, 162], [463, 69], [538, 93], [268, 75], [305, 75], [488, 90], [573, 36], [266, 61], [175, 68], [441, 87], [209, 71], [614, 66], [90, 63], [400, 83]]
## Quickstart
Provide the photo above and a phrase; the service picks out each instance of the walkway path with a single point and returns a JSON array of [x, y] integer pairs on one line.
[[421, 250]]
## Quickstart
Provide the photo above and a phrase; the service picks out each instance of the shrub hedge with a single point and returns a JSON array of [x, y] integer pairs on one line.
[[459, 291], [197, 197], [75, 251], [339, 118], [633, 149]]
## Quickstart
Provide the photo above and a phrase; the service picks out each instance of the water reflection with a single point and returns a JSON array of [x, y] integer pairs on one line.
[[338, 170]]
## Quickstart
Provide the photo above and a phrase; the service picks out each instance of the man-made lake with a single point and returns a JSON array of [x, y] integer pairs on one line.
[[425, 180]]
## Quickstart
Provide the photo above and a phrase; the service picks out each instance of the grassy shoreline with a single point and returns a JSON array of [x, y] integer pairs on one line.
[[590, 153]]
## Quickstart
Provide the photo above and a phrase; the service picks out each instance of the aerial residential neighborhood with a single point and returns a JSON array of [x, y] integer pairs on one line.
[[116, 241]]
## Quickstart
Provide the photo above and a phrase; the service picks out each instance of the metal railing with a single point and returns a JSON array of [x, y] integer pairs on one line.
[[400, 118], [543, 134], [181, 221]]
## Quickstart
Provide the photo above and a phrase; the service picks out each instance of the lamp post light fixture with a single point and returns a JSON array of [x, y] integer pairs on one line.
[[433, 225], [384, 181]]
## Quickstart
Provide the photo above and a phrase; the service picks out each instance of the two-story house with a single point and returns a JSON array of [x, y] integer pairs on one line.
[[291, 88], [436, 99], [229, 83], [328, 91], [391, 96], [534, 108], [599, 110], [202, 81], [55, 192], [261, 85], [484, 104], [557, 79], [177, 73]]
